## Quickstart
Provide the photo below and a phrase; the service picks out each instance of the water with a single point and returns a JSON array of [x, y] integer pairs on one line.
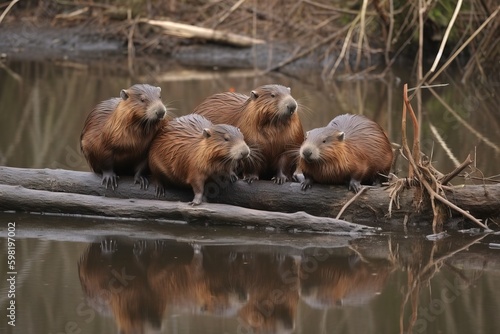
[[91, 275], [96, 276]]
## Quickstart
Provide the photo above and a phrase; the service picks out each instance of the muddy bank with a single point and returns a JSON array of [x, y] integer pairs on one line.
[[39, 42], [30, 41]]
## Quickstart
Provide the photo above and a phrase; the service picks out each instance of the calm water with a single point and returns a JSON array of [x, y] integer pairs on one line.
[[88, 275], [77, 275]]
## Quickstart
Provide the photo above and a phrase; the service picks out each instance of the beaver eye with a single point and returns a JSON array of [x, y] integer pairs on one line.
[[143, 98], [324, 141], [226, 137], [273, 95]]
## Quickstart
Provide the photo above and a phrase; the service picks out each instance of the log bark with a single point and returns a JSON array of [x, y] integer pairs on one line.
[[371, 208]]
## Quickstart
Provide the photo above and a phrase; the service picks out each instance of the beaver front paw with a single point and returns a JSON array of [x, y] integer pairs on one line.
[[306, 184], [142, 180], [110, 179]]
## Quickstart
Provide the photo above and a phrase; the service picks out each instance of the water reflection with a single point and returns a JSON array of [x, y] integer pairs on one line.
[[397, 285]]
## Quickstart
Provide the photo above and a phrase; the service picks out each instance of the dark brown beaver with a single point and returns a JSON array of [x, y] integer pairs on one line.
[[191, 149], [269, 121], [117, 133], [350, 149]]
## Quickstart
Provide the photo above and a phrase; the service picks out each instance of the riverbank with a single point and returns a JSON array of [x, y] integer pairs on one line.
[[333, 39]]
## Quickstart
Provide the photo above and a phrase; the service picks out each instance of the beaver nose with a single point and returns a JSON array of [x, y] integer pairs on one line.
[[245, 153], [291, 108], [306, 153], [160, 113]]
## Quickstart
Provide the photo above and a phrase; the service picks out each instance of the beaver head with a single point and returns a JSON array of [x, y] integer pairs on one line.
[[272, 104], [226, 143], [144, 102], [319, 140]]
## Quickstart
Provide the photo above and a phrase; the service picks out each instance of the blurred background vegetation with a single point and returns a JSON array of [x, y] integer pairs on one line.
[[353, 35]]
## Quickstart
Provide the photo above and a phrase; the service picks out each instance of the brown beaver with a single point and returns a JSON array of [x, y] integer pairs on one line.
[[351, 149], [191, 149], [269, 121], [117, 133]]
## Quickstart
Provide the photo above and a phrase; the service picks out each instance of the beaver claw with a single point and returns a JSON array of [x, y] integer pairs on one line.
[[354, 185], [280, 179], [251, 178], [142, 180], [110, 179], [233, 177], [306, 184], [159, 190], [196, 200]]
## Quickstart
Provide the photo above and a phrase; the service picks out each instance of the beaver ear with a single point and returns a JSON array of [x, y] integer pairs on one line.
[[289, 89], [254, 95], [207, 133], [307, 134], [124, 94], [341, 136]]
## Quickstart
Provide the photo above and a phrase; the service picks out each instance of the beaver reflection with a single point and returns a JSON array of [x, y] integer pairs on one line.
[[271, 304], [340, 280], [138, 282], [114, 279]]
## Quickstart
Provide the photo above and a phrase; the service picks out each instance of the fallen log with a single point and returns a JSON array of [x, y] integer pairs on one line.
[[18, 198], [190, 31], [371, 208]]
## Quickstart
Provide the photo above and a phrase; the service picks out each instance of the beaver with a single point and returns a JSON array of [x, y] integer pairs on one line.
[[269, 121], [352, 148], [117, 133], [190, 149]]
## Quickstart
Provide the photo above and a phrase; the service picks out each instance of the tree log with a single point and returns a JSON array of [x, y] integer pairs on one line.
[[371, 208], [190, 31], [18, 198]]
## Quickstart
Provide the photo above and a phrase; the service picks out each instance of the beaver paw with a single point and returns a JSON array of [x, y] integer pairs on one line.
[[159, 190], [298, 177], [306, 184], [355, 185], [251, 178], [279, 179], [110, 179], [142, 180], [233, 177], [196, 200]]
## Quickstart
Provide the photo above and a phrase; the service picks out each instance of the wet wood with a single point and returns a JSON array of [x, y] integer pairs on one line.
[[371, 208]]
